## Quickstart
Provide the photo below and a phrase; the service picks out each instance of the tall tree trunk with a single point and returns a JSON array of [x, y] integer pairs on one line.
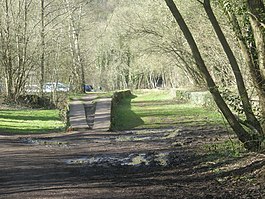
[[257, 18], [21, 49], [248, 49], [42, 58], [7, 54], [78, 69], [251, 119], [243, 135]]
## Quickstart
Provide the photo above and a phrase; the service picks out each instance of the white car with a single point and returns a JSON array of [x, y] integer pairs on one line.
[[55, 86], [32, 88]]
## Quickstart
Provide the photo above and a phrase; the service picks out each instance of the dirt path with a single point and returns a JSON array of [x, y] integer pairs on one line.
[[161, 163]]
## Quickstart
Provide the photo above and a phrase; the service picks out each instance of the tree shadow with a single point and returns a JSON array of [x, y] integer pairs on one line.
[[44, 174], [35, 171], [8, 115], [26, 122]]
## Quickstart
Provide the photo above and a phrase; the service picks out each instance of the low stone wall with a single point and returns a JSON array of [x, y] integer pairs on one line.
[[119, 95], [201, 98]]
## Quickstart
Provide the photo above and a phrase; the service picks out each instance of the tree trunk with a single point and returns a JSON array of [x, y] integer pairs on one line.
[[251, 119], [249, 51], [7, 59], [243, 135], [78, 69], [42, 58], [257, 18]]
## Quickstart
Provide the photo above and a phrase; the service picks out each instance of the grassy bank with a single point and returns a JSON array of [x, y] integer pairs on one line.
[[158, 108], [30, 121]]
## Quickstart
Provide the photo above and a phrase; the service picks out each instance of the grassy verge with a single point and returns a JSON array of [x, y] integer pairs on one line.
[[156, 109], [229, 148], [30, 121]]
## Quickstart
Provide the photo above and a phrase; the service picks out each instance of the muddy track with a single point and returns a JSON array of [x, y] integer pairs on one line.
[[158, 163]]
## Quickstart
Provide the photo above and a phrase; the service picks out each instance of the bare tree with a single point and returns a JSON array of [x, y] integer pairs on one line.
[[42, 36], [15, 38], [247, 107], [251, 142], [75, 12]]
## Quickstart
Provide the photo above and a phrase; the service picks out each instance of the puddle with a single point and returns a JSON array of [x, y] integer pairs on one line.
[[172, 134], [162, 159], [133, 138], [150, 135], [140, 159], [143, 159], [44, 141]]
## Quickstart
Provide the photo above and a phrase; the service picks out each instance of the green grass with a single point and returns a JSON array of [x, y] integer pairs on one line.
[[229, 148], [153, 95], [155, 109], [30, 121]]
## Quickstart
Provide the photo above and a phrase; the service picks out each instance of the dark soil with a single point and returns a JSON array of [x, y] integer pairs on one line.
[[158, 163]]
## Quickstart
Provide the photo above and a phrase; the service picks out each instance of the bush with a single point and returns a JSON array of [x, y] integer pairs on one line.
[[35, 101]]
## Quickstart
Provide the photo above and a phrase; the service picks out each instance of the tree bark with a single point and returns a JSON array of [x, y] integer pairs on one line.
[[257, 15], [257, 18]]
